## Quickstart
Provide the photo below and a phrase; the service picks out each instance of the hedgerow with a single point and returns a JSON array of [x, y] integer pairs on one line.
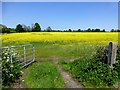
[[10, 70], [95, 72]]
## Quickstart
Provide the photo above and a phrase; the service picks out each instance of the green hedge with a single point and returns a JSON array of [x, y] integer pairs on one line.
[[95, 72], [10, 71]]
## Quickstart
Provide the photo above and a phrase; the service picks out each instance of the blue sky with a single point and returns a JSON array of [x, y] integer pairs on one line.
[[62, 15]]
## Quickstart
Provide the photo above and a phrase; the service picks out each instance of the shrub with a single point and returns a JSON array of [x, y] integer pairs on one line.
[[101, 54], [10, 71], [117, 64], [96, 72]]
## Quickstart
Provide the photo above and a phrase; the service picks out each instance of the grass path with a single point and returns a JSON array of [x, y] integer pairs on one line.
[[69, 81], [67, 77]]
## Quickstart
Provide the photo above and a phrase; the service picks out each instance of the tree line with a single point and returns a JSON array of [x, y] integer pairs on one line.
[[37, 28], [20, 28]]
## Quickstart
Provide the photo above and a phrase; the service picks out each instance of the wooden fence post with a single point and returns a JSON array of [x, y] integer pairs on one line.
[[24, 55], [112, 50]]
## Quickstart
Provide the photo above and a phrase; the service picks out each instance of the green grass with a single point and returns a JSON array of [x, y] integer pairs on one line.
[[44, 51], [37, 73], [43, 75], [60, 49], [92, 72]]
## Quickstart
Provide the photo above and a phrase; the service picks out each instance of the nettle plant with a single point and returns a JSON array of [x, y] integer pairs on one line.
[[10, 70]]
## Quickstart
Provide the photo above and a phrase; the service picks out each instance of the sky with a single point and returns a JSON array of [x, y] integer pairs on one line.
[[61, 15]]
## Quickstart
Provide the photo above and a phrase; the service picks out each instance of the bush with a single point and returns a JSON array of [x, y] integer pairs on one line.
[[10, 71], [95, 72], [101, 54], [117, 64]]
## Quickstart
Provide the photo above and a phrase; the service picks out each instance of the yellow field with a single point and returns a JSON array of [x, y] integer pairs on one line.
[[95, 38]]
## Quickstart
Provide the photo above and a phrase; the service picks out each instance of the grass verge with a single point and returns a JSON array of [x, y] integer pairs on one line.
[[44, 75]]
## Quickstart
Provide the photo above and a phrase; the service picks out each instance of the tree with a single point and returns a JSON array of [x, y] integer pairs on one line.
[[36, 28], [19, 28], [5, 30], [69, 30], [118, 30], [49, 29], [79, 30], [89, 30], [97, 30], [29, 29], [93, 30], [103, 30], [112, 30], [26, 28]]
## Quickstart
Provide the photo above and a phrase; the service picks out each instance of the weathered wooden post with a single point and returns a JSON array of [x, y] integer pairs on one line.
[[24, 55], [112, 50]]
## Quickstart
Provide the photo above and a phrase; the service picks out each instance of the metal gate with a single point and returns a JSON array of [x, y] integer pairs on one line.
[[26, 53]]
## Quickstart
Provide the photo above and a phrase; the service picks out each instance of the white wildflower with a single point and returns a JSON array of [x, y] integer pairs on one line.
[[21, 72], [7, 60], [5, 53], [12, 51], [8, 57], [11, 66], [6, 71], [4, 57], [11, 74]]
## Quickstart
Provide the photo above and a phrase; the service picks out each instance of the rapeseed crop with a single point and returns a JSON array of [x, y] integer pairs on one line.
[[64, 37]]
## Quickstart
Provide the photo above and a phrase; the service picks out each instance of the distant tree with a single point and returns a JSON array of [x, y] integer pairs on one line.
[[19, 28], [26, 28], [97, 30], [5, 30], [112, 30], [93, 30], [103, 30], [36, 28], [49, 29], [69, 30], [32, 26], [88, 30], [79, 30], [118, 30], [29, 29]]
